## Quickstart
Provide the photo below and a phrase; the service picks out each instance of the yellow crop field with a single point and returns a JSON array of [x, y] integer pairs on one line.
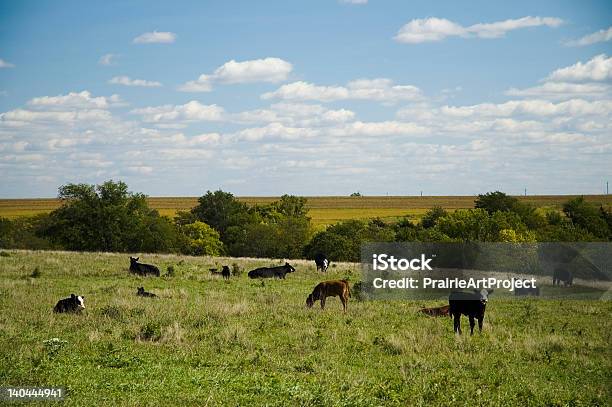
[[323, 210]]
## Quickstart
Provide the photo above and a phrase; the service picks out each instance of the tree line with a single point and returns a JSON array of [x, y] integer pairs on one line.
[[108, 217]]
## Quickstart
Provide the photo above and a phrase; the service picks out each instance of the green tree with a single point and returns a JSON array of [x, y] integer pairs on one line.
[[495, 201], [588, 217], [431, 217], [108, 217], [202, 240]]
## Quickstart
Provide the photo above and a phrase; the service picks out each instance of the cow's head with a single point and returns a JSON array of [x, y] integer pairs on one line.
[[140, 290], [133, 259], [78, 300], [289, 267], [484, 295], [309, 301]]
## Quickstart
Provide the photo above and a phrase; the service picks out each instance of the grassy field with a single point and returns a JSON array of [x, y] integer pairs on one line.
[[206, 341], [322, 210]]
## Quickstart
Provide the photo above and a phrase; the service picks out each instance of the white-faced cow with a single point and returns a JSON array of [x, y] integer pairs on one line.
[[272, 272], [321, 262], [471, 304], [142, 269], [75, 303]]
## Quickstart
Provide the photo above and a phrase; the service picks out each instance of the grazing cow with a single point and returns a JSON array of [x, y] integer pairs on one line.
[[562, 275], [270, 272], [142, 293], [321, 262], [437, 311], [535, 291], [473, 305], [76, 303], [142, 269], [332, 288], [225, 272]]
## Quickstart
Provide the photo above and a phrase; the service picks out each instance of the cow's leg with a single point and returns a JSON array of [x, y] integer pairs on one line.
[[472, 323], [480, 319], [323, 302], [457, 323], [343, 299]]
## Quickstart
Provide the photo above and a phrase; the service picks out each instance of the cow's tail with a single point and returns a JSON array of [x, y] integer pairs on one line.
[[348, 287]]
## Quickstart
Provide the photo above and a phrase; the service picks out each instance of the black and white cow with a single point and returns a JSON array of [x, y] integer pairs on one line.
[[321, 262], [560, 275], [272, 272], [75, 303], [142, 269], [471, 304]]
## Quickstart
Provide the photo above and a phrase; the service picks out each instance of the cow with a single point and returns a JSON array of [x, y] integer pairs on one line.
[[142, 269], [142, 293], [471, 304], [76, 303], [321, 262], [225, 272], [332, 288], [437, 311], [562, 275], [272, 272], [521, 291]]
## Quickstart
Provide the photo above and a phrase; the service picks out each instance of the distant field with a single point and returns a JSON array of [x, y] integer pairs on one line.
[[322, 209]]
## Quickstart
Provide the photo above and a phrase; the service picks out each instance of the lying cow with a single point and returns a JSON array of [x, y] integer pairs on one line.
[[142, 269], [332, 288], [225, 272], [76, 303], [272, 272], [321, 262], [142, 293], [471, 304], [437, 311]]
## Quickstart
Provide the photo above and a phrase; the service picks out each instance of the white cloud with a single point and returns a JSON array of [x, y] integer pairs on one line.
[[437, 29], [190, 112], [599, 36], [155, 37], [562, 90], [377, 129], [126, 81], [295, 114], [381, 90], [232, 72], [108, 59], [540, 108], [4, 64], [78, 100], [599, 68]]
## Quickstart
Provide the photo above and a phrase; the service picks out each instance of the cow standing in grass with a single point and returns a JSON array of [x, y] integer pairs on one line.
[[272, 272], [332, 288], [471, 304], [321, 262], [143, 269]]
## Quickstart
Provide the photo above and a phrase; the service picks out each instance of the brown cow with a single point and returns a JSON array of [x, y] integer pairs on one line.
[[332, 288], [437, 311]]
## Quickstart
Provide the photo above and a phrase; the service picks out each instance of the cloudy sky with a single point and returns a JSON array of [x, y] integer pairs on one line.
[[317, 97]]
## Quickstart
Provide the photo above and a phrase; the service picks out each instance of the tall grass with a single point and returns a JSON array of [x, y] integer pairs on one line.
[[206, 341]]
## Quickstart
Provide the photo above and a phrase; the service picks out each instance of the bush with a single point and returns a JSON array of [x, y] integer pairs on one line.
[[201, 240]]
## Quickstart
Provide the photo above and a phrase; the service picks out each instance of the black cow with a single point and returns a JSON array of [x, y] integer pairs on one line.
[[321, 262], [142, 269], [225, 272], [76, 303], [471, 304], [142, 293], [272, 272], [562, 275]]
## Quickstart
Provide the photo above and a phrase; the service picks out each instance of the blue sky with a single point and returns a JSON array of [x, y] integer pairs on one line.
[[306, 97]]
